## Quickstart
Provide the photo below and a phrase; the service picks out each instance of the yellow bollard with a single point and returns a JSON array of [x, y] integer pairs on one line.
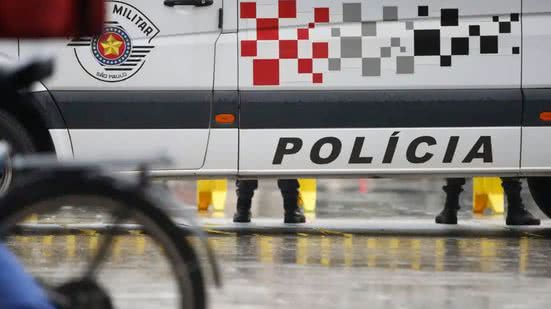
[[32, 219], [211, 192], [487, 193], [307, 194], [219, 194]]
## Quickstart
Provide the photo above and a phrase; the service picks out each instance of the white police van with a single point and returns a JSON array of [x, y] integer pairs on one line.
[[301, 87]]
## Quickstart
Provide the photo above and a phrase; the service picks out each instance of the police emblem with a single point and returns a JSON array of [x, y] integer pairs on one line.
[[112, 47], [111, 56]]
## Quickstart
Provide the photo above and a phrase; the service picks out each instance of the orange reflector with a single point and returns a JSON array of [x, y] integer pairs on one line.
[[224, 118], [545, 116]]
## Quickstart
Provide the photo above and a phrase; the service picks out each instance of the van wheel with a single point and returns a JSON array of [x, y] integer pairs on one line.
[[20, 142], [540, 188]]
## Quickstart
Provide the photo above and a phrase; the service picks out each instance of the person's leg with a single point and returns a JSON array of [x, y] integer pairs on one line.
[[517, 214], [245, 191], [289, 191], [453, 188]]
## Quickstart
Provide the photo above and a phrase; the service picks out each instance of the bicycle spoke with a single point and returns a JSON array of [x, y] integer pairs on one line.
[[103, 250]]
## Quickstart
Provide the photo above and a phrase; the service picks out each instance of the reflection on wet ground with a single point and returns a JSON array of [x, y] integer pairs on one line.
[[328, 271], [525, 255], [136, 271], [324, 271], [360, 272]]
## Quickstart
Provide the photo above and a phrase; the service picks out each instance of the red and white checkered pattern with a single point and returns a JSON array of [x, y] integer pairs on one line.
[[267, 68]]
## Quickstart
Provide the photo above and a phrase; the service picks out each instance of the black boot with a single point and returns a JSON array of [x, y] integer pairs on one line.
[[289, 192], [453, 189], [245, 192], [294, 216], [293, 213], [243, 213], [520, 216], [448, 215], [517, 214]]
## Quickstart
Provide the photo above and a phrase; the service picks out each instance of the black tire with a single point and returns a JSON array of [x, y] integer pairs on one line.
[[20, 200], [15, 134], [20, 142], [540, 188]]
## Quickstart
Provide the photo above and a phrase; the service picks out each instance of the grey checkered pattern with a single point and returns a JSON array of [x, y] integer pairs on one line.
[[397, 51]]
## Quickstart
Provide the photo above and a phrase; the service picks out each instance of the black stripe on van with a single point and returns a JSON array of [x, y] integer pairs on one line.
[[135, 109], [536, 101], [380, 108], [291, 109]]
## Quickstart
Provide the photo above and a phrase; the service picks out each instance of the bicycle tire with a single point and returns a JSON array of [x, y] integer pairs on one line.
[[19, 140], [15, 134], [51, 185]]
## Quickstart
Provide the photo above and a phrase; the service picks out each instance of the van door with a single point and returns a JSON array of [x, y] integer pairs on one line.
[[379, 87], [536, 82], [144, 86]]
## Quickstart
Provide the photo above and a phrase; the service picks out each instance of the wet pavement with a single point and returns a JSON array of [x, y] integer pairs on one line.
[[333, 267]]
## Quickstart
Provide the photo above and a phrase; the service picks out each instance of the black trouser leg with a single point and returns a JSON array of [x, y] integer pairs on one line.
[[517, 214], [289, 192], [245, 191], [512, 187], [453, 188]]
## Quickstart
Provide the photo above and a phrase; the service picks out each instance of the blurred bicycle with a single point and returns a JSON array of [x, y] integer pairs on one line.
[[42, 187]]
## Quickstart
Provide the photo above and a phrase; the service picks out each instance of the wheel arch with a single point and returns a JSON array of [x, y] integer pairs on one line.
[[39, 114], [541, 193]]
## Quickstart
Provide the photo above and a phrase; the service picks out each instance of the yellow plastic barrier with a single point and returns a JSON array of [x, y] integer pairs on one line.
[[307, 194], [487, 193], [32, 218], [211, 192]]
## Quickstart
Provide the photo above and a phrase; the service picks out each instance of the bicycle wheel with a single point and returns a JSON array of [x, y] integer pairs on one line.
[[19, 141], [128, 205]]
